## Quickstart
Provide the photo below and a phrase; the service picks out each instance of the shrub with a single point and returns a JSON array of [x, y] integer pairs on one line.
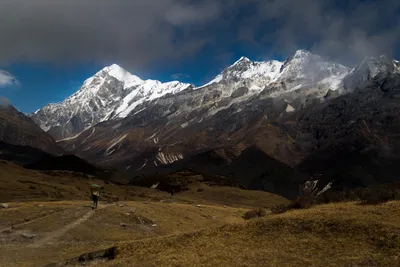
[[367, 195], [380, 194], [255, 213], [308, 195]]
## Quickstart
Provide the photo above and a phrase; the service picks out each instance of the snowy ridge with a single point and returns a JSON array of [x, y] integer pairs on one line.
[[148, 91], [245, 69], [307, 69], [370, 68], [122, 75], [300, 70], [111, 93]]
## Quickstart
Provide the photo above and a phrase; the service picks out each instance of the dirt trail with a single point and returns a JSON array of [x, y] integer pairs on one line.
[[60, 232], [9, 228]]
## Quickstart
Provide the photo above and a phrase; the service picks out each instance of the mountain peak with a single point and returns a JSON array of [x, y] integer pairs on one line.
[[301, 53], [242, 59], [370, 68], [113, 67], [300, 57], [375, 65], [120, 74]]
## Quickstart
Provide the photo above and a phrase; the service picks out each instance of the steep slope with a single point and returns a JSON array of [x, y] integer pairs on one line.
[[111, 93], [18, 129], [309, 112], [251, 168], [354, 139], [295, 119], [21, 155], [371, 68], [252, 74], [304, 69], [222, 113]]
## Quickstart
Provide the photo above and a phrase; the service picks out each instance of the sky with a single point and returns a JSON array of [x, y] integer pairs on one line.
[[49, 47]]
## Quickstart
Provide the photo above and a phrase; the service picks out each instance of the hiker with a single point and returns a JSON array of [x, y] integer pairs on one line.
[[95, 192]]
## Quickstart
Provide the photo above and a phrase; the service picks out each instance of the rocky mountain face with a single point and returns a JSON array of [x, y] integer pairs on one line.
[[303, 113], [111, 93], [18, 129], [371, 68], [114, 93]]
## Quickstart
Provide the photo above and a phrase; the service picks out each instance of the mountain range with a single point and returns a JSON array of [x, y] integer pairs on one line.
[[114, 93], [265, 124]]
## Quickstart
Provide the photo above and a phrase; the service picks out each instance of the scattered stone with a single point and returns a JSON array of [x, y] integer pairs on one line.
[[200, 190], [28, 235], [224, 206], [214, 217], [123, 225], [127, 214], [41, 205], [8, 231], [199, 206], [4, 205], [121, 205], [154, 225]]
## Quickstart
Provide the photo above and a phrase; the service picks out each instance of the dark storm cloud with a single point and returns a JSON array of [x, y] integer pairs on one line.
[[129, 31], [139, 32], [343, 30]]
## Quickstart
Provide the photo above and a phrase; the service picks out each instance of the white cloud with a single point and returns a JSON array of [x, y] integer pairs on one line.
[[7, 79], [179, 76]]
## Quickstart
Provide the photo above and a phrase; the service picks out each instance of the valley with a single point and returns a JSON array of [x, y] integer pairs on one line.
[[49, 222], [49, 216]]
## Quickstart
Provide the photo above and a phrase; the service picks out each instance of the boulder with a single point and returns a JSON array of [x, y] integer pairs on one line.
[[28, 235]]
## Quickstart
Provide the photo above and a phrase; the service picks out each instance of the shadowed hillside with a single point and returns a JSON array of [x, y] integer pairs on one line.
[[18, 129]]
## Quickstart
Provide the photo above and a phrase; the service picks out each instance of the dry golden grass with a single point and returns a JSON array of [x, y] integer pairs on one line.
[[53, 207], [191, 229], [19, 184], [103, 228], [230, 196], [329, 235]]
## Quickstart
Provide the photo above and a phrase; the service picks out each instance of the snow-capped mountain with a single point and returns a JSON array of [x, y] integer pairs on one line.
[[304, 69], [253, 74], [369, 69], [245, 84], [306, 112], [302, 76], [111, 93], [114, 93]]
